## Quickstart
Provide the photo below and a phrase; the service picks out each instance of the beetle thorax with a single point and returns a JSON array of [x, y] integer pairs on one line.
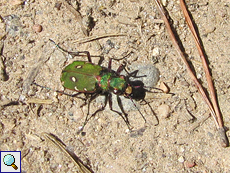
[[111, 82]]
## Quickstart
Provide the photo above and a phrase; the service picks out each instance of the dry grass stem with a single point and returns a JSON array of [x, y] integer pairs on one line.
[[221, 130], [97, 37], [39, 101], [213, 112], [54, 140], [204, 62], [198, 123]]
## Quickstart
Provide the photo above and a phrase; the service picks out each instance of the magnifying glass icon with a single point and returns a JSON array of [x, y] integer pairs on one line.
[[9, 160]]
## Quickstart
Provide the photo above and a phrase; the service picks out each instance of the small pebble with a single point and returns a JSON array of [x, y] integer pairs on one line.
[[156, 51], [37, 28], [189, 164], [164, 87], [182, 149], [16, 2], [181, 159], [222, 137], [71, 165], [164, 2], [149, 72], [164, 110]]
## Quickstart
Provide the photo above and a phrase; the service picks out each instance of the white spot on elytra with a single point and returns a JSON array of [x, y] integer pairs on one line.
[[78, 66], [76, 88], [85, 89], [73, 79]]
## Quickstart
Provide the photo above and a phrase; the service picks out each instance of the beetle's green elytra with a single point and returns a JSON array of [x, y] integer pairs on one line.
[[89, 78], [81, 76]]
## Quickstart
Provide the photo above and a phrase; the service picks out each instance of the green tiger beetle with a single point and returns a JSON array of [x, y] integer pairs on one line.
[[93, 80]]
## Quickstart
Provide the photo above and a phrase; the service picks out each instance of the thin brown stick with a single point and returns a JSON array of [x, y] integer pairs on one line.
[[205, 65], [217, 117], [198, 123], [176, 45], [60, 145], [97, 37], [3, 75], [207, 73]]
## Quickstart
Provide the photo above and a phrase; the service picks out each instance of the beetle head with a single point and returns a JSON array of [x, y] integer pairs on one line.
[[135, 90]]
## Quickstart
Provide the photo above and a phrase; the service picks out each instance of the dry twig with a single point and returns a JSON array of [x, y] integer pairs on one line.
[[3, 75], [92, 38], [216, 118], [60, 145], [39, 101], [207, 73]]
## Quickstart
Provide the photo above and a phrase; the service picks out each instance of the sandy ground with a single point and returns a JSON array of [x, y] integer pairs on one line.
[[177, 144]]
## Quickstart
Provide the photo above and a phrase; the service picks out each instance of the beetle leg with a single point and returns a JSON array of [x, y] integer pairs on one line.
[[125, 118], [100, 109], [74, 53], [93, 96], [110, 64], [152, 112], [134, 74], [137, 108], [120, 68], [87, 54]]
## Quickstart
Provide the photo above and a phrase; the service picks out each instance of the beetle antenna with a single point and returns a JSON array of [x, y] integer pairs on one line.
[[148, 89], [136, 107], [153, 88]]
